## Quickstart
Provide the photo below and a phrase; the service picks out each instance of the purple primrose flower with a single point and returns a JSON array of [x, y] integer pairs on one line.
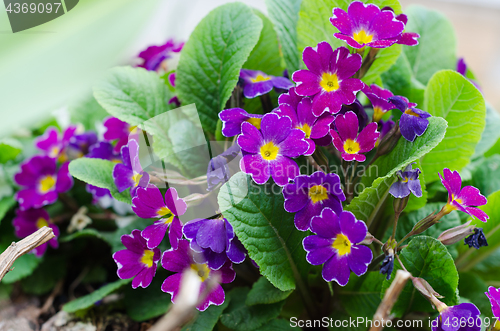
[[130, 173], [137, 260], [219, 170], [268, 151], [290, 98], [379, 98], [41, 182], [307, 196], [29, 221], [493, 295], [153, 56], [256, 83], [149, 203], [180, 259], [464, 199], [79, 144], [52, 144], [119, 131], [462, 317], [407, 183], [366, 25], [462, 70], [360, 112], [335, 246], [414, 121], [327, 79], [349, 142], [385, 127], [316, 128], [214, 238], [233, 118]]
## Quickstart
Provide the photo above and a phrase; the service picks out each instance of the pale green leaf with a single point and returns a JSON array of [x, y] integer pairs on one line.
[[263, 292]]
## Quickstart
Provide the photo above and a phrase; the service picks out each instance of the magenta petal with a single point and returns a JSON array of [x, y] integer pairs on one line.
[[144, 278], [216, 297], [172, 285], [326, 102], [454, 180], [179, 259], [337, 269], [347, 125], [251, 139], [470, 196], [307, 83], [147, 202], [175, 232], [122, 177], [274, 128], [155, 233], [359, 259], [294, 144], [347, 64], [175, 204], [312, 60], [476, 212], [386, 25], [368, 137], [257, 167], [364, 13], [409, 39], [341, 21], [283, 170], [64, 179]]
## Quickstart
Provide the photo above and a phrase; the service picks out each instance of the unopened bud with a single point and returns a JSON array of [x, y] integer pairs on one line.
[[389, 247], [456, 234], [389, 141], [424, 224], [400, 204], [427, 291], [368, 239]]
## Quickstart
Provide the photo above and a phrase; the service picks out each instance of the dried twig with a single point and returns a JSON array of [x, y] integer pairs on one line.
[[22, 247], [390, 297]]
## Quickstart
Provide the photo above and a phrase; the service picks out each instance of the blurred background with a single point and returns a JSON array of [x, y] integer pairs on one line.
[[45, 68]]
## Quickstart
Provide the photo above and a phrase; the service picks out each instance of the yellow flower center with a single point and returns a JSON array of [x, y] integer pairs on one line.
[[342, 244], [260, 78], [164, 212], [351, 146], [147, 258], [306, 128], [254, 121], [132, 129], [54, 151], [378, 113], [41, 222], [136, 178], [362, 38], [269, 151], [411, 112], [329, 82], [405, 180], [47, 183], [318, 193], [202, 270]]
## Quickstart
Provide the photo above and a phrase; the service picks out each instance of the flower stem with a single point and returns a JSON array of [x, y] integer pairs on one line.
[[267, 104]]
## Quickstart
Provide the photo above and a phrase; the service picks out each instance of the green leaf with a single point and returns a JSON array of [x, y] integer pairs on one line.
[[266, 55], [88, 112], [206, 320], [314, 21], [143, 304], [89, 300], [45, 277], [285, 14], [9, 149], [266, 230], [240, 317], [361, 296], [88, 232], [472, 287], [469, 257], [134, 95], [491, 134], [5, 205], [386, 57], [436, 47], [427, 258], [99, 173], [406, 152], [263, 292], [276, 325], [486, 175], [211, 60], [459, 102], [23, 267], [113, 238]]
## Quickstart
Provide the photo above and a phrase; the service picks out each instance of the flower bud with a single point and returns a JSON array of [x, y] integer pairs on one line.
[[400, 204], [388, 264], [368, 239], [427, 291], [456, 234], [424, 224]]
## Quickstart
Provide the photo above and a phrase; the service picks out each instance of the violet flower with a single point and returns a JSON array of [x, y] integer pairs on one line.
[[52, 144], [366, 25], [462, 317], [119, 131], [214, 238], [335, 246], [137, 260], [464, 199], [129, 174], [29, 221], [385, 127], [307, 196], [414, 121], [387, 266], [360, 112], [256, 83], [407, 183], [493, 295], [315, 128], [173, 100], [149, 203], [349, 142], [153, 56], [79, 144], [327, 79], [406, 38], [103, 150], [41, 182], [290, 98], [180, 259], [462, 70], [477, 239], [379, 98], [218, 170], [268, 151], [233, 118]]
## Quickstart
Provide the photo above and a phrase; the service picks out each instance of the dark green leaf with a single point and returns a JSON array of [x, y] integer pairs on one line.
[[263, 292], [45, 277], [361, 296], [5, 205], [89, 300], [143, 304], [22, 267], [206, 320]]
